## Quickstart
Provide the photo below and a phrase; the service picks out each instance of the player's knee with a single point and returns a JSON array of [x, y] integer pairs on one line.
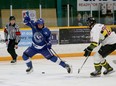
[[103, 54], [25, 56], [8, 49], [55, 59], [97, 58], [105, 50]]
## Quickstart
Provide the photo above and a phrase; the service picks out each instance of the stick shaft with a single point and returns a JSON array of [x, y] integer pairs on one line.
[[55, 53], [82, 64]]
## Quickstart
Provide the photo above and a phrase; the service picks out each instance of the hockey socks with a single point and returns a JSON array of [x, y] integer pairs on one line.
[[58, 61], [97, 71], [27, 61], [61, 63]]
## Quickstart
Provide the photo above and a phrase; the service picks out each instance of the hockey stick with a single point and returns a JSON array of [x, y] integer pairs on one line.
[[55, 53], [114, 61], [82, 64]]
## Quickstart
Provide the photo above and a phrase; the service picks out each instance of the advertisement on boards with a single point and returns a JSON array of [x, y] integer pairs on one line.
[[86, 5], [26, 37]]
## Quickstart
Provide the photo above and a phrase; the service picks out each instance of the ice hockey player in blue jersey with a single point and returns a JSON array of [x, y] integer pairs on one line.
[[41, 43]]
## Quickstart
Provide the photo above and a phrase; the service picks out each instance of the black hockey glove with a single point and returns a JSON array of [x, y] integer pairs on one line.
[[88, 51]]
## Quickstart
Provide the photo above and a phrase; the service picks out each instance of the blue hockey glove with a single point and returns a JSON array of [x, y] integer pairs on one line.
[[88, 51], [49, 45], [27, 19]]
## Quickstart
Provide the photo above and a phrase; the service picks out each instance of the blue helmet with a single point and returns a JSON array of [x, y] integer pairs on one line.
[[40, 21]]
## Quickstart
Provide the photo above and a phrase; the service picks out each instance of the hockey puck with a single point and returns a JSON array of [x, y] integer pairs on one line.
[[43, 72]]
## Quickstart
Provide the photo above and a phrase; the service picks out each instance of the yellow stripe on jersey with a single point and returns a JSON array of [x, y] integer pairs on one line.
[[105, 33]]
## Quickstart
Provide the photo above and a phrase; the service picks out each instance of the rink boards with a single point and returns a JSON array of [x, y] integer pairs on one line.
[[63, 50]]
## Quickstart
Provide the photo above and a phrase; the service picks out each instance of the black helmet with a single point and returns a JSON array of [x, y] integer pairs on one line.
[[12, 18], [91, 21]]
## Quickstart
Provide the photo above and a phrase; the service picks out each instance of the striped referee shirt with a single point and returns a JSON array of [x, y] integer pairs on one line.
[[12, 32]]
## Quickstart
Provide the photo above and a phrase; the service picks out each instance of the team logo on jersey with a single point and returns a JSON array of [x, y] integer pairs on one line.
[[38, 37]]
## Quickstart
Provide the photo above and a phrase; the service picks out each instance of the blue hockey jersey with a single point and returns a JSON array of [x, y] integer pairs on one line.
[[40, 37]]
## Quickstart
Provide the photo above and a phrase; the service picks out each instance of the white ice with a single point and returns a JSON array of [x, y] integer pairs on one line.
[[15, 75]]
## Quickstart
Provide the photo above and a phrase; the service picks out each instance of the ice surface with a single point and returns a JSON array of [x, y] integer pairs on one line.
[[15, 75]]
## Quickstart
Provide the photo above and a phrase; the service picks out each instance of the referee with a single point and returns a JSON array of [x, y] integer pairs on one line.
[[12, 37]]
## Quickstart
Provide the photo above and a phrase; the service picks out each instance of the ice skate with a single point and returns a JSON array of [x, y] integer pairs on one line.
[[95, 74], [109, 71], [13, 61], [29, 70], [108, 68], [69, 68]]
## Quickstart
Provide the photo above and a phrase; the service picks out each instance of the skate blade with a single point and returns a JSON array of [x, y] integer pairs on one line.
[[95, 76], [109, 73], [30, 71], [13, 63], [71, 70]]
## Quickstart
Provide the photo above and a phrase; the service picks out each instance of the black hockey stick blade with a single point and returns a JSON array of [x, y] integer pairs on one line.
[[78, 70]]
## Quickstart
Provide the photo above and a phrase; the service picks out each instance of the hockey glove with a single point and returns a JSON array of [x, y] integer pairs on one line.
[[49, 45], [26, 19], [88, 51]]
